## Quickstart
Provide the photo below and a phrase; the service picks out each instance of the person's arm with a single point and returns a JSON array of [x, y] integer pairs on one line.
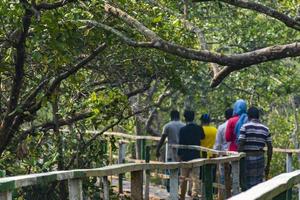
[[160, 143], [218, 142], [269, 158], [242, 139]]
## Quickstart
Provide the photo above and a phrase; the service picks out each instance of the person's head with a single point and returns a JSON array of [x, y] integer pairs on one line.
[[239, 107], [253, 113], [205, 118], [174, 115], [228, 113], [189, 115]]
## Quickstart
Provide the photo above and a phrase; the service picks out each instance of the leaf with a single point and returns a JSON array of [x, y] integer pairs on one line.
[[157, 19]]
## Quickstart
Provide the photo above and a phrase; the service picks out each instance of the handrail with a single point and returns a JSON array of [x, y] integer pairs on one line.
[[11, 183], [156, 138], [201, 148], [279, 185]]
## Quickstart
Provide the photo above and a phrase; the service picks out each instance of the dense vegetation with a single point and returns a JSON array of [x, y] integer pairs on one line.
[[123, 65]]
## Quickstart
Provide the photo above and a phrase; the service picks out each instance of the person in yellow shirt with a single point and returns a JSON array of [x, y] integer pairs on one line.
[[210, 133]]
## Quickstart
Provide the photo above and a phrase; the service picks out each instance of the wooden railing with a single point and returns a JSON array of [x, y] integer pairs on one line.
[[75, 177], [282, 184], [277, 188]]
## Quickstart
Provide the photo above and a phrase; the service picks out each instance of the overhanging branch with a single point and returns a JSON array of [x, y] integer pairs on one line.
[[232, 62], [288, 21]]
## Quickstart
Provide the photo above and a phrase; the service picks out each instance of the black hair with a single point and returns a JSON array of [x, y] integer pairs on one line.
[[228, 113], [205, 118], [189, 115], [253, 113], [174, 115]]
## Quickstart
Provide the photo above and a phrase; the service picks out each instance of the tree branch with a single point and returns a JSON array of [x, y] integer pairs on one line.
[[191, 27], [126, 39], [288, 21], [73, 70], [60, 122], [52, 6], [232, 62]]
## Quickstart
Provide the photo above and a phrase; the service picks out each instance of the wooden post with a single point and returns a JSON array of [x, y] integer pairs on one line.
[[147, 173], [235, 177], [286, 195], [6, 195], [75, 189], [242, 174], [174, 184], [289, 162], [137, 185], [143, 148], [227, 180], [105, 187], [208, 181], [122, 149]]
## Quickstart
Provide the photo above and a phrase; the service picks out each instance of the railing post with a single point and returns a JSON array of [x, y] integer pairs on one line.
[[208, 181], [242, 174], [235, 177], [75, 189], [174, 184], [105, 187], [289, 162], [227, 180], [147, 173], [286, 195], [6, 195], [137, 185], [143, 148], [122, 150]]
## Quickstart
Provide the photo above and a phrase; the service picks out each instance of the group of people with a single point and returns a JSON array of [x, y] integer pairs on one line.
[[242, 131]]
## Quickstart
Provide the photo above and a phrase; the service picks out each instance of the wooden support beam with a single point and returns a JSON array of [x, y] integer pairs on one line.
[[235, 177], [105, 187], [137, 185], [75, 189], [174, 184]]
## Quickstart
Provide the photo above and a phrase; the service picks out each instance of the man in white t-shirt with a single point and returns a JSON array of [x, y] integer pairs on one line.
[[170, 131]]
